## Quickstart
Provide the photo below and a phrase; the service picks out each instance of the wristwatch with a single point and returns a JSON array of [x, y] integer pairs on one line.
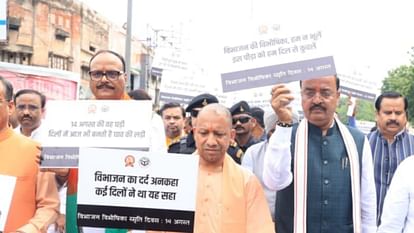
[[284, 124]]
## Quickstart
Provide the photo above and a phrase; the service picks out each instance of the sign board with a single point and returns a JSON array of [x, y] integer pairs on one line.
[[259, 55], [136, 190], [6, 194], [54, 84], [264, 55], [69, 125], [3, 20]]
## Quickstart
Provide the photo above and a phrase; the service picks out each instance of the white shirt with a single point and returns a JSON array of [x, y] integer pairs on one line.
[[253, 160], [398, 212], [277, 173], [35, 133]]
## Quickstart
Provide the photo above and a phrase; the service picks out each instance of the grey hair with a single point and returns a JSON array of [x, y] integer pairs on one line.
[[218, 109]]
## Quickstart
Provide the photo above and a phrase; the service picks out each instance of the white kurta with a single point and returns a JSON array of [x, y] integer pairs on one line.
[[398, 212], [253, 159]]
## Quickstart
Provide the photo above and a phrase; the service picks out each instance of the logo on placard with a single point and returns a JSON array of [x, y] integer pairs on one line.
[[105, 108], [129, 161], [144, 162], [92, 109]]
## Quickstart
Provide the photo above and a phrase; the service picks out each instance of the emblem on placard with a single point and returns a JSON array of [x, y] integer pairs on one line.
[[105, 108], [144, 162], [92, 109], [129, 161]]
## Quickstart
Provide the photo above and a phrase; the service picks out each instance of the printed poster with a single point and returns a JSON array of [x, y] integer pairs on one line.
[[136, 190]]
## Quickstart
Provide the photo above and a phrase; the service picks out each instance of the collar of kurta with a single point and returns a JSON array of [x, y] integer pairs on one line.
[[300, 175], [124, 96]]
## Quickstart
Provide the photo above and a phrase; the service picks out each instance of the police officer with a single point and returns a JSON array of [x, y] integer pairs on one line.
[[243, 124], [186, 144]]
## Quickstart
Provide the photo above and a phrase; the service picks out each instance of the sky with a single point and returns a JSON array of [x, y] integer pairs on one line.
[[369, 36]]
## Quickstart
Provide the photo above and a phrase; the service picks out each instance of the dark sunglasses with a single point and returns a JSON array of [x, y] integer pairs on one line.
[[242, 120], [194, 112]]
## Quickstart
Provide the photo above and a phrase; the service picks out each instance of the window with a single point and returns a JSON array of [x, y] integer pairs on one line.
[[15, 57], [58, 62]]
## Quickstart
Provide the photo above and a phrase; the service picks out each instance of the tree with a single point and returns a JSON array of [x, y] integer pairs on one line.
[[365, 110], [401, 80]]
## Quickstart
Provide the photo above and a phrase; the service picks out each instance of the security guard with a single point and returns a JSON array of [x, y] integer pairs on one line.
[[243, 124], [186, 145]]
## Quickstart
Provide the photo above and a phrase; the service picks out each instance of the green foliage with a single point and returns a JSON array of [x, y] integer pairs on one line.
[[401, 80], [365, 110]]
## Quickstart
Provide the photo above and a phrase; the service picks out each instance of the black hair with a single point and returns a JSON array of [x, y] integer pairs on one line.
[[390, 95], [172, 105], [258, 114], [8, 89], [31, 91], [111, 52], [336, 79], [139, 94]]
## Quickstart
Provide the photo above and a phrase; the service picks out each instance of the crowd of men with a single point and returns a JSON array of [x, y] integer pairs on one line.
[[258, 171]]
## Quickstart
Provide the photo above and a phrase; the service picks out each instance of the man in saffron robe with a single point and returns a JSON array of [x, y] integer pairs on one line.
[[229, 197]]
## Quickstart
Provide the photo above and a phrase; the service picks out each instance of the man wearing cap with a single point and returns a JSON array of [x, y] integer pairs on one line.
[[258, 131], [187, 145], [243, 123]]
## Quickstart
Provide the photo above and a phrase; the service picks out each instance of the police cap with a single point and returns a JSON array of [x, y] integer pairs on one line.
[[241, 107], [201, 101]]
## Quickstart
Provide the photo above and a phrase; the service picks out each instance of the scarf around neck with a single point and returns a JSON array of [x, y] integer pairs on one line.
[[300, 173]]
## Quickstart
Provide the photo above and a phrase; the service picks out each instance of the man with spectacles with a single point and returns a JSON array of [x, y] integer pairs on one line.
[[107, 82], [243, 123], [322, 169], [30, 107]]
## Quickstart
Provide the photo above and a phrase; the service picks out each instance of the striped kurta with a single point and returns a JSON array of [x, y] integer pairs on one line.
[[386, 157]]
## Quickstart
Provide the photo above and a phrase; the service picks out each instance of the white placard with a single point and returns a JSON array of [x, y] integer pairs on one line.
[[3, 20], [136, 190], [7, 184], [259, 55], [100, 123]]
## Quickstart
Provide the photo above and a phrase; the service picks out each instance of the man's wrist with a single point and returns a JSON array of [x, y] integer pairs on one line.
[[284, 124]]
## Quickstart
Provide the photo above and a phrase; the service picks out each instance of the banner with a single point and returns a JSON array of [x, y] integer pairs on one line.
[[54, 84], [136, 190], [69, 125], [6, 194], [3, 20]]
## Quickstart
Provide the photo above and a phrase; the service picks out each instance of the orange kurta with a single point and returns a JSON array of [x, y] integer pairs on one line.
[[35, 201]]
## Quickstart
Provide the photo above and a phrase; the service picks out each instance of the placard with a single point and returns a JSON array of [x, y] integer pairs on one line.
[[7, 189], [136, 190], [69, 125]]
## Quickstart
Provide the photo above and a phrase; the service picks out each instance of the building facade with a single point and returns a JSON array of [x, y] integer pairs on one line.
[[64, 34]]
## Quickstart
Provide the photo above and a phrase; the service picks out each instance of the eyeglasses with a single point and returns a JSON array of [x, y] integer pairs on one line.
[[30, 107], [97, 75], [309, 94], [194, 112], [242, 120]]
